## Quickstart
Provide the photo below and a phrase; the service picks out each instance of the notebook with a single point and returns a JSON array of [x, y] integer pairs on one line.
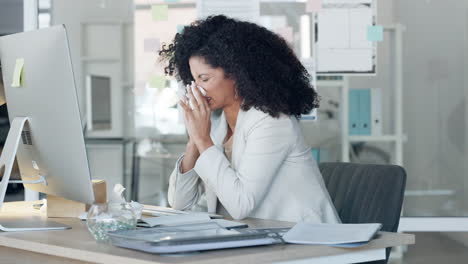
[[346, 235]]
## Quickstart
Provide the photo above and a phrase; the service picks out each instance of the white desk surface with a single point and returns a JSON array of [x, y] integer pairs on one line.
[[77, 246]]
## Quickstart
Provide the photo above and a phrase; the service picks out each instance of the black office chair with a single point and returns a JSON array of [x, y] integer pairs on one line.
[[365, 193]]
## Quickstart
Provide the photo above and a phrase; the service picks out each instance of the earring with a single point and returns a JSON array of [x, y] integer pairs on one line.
[[235, 94]]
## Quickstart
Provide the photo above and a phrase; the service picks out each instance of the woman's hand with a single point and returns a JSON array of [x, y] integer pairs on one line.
[[197, 121]]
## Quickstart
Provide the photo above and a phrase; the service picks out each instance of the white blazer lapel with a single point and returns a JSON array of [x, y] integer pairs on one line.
[[237, 143], [218, 133]]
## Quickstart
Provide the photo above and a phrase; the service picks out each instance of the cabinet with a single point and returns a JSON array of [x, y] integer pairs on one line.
[[348, 134]]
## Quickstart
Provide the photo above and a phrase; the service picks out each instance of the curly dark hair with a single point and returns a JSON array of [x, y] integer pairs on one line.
[[267, 74]]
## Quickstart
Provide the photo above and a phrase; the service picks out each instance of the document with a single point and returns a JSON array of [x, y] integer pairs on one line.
[[331, 234], [174, 219], [187, 220], [247, 10], [161, 211]]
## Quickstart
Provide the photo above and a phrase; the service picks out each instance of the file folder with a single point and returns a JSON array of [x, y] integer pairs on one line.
[[360, 115], [353, 128], [364, 124]]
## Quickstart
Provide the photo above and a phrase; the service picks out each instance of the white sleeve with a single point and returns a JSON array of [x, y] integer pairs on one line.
[[184, 188], [267, 145]]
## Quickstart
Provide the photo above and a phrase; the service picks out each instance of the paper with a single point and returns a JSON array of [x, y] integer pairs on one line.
[[330, 234], [159, 12], [175, 219], [342, 41], [116, 196], [375, 33], [158, 82], [18, 73], [247, 10], [344, 60], [229, 224], [151, 45], [171, 1], [314, 5], [359, 20], [334, 29]]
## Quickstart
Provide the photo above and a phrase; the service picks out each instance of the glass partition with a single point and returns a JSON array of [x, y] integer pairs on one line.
[[434, 93]]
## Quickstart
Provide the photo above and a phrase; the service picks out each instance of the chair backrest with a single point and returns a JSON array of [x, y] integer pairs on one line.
[[365, 193]]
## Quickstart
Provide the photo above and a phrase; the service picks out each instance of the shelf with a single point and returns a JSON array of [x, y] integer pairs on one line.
[[330, 83], [381, 138]]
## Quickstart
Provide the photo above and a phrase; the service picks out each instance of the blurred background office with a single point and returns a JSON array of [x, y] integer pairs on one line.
[[402, 100]]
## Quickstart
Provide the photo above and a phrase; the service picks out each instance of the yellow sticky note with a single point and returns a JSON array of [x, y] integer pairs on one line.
[[18, 73], [159, 12], [158, 82]]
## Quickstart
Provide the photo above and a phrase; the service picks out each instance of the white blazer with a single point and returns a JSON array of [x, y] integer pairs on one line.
[[272, 174]]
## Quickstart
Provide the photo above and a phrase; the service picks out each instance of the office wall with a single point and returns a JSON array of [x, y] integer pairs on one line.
[[435, 118], [11, 16], [325, 133], [434, 101], [101, 43], [101, 40], [435, 104]]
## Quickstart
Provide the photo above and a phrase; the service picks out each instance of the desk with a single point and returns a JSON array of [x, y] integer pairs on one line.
[[77, 246]]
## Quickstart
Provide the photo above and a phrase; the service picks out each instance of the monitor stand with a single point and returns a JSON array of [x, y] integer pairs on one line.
[[11, 223]]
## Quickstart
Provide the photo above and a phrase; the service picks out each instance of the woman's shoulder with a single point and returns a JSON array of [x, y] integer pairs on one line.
[[256, 119]]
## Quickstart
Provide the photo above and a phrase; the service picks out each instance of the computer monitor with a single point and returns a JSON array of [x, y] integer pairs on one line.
[[46, 127]]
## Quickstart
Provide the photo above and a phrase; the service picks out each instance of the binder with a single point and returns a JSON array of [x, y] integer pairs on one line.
[[353, 128], [360, 121], [364, 123]]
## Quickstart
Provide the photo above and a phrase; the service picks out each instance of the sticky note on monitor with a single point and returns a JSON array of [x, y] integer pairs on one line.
[[18, 73], [159, 12], [314, 5], [158, 82], [375, 33]]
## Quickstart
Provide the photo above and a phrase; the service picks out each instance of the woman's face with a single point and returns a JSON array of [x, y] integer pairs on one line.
[[220, 91]]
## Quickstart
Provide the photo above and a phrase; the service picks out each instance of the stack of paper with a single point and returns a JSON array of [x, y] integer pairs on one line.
[[163, 211], [186, 220]]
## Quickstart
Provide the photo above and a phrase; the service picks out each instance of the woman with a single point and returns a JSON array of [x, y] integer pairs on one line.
[[250, 161]]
